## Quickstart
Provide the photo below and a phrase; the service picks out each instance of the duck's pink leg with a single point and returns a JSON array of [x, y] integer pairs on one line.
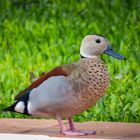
[[61, 125], [67, 132], [73, 128]]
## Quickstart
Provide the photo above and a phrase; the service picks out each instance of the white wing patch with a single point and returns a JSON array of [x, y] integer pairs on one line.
[[20, 107]]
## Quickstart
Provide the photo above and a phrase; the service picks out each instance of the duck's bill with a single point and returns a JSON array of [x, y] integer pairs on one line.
[[112, 53]]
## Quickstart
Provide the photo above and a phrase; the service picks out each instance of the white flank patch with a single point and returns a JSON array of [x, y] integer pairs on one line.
[[20, 107], [30, 107]]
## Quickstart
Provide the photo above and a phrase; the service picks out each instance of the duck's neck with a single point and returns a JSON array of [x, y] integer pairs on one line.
[[88, 56]]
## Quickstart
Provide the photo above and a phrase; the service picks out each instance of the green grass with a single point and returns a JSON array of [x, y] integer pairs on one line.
[[36, 36]]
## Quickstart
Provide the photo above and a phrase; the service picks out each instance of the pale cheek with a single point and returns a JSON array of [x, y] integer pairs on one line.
[[104, 46], [96, 50]]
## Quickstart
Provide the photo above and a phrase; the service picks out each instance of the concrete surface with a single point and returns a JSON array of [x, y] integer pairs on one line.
[[37, 129]]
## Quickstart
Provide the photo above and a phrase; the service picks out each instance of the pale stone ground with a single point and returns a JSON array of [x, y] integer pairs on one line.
[[40, 129], [5, 136]]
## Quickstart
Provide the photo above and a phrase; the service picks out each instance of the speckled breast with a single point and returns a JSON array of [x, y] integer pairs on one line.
[[90, 82], [95, 78]]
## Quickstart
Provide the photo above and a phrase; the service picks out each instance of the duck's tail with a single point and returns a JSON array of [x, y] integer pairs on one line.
[[10, 108], [19, 107]]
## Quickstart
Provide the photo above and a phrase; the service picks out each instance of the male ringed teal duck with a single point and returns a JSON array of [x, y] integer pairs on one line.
[[69, 89]]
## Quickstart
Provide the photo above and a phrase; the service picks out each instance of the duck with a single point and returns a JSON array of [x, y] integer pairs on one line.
[[69, 89]]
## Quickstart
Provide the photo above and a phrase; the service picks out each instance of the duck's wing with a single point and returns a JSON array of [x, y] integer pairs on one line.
[[64, 70]]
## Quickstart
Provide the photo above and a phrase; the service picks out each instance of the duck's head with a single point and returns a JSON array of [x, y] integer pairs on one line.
[[94, 45]]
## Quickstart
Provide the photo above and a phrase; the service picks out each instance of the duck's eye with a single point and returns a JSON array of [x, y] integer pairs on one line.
[[98, 40]]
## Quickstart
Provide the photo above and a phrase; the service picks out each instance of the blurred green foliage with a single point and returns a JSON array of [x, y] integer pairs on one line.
[[37, 35]]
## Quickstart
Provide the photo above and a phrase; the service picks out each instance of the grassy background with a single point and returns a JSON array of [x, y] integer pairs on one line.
[[39, 35]]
